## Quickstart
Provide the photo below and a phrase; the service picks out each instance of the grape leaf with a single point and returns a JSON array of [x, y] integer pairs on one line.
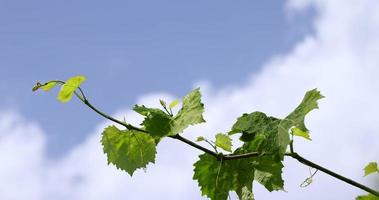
[[173, 104], [191, 112], [48, 86], [246, 194], [200, 138], [268, 172], [156, 122], [367, 197], [259, 130], [268, 167], [370, 168], [68, 89], [224, 142], [249, 123], [213, 177], [296, 118], [298, 132], [160, 124], [243, 176], [217, 178], [128, 150]]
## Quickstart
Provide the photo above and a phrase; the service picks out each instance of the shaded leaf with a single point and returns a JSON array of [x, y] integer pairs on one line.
[[216, 179], [156, 122], [268, 172], [259, 131]]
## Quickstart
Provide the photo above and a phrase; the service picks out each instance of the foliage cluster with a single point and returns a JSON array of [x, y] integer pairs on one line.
[[265, 140]]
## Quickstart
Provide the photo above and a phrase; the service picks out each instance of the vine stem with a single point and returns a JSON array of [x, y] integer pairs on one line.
[[83, 98], [221, 156], [331, 173]]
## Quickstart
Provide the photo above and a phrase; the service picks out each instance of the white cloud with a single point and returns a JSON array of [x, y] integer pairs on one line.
[[22, 158], [340, 58]]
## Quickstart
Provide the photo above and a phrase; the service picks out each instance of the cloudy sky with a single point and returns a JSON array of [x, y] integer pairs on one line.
[[245, 56]]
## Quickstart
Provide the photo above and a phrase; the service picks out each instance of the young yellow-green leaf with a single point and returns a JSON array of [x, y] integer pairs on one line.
[[191, 112], [224, 142], [298, 132], [367, 197], [68, 89], [173, 104], [216, 179], [156, 122], [370, 168], [48, 86], [128, 150], [200, 138], [296, 118]]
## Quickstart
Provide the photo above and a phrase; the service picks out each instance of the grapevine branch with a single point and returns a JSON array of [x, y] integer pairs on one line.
[[331, 173], [221, 156]]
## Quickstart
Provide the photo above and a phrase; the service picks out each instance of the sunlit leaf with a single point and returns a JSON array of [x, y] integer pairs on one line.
[[128, 150], [224, 142], [68, 89]]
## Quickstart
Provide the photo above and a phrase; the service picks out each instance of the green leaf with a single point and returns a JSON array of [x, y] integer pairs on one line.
[[128, 150], [246, 194], [269, 134], [213, 177], [160, 124], [249, 123], [223, 141], [370, 168], [298, 132], [156, 122], [200, 138], [48, 86], [259, 131], [268, 172], [68, 89], [173, 104], [191, 112], [296, 118], [216, 179], [367, 197]]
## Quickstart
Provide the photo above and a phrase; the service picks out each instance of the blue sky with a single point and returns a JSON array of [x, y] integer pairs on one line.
[[246, 56], [129, 48]]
